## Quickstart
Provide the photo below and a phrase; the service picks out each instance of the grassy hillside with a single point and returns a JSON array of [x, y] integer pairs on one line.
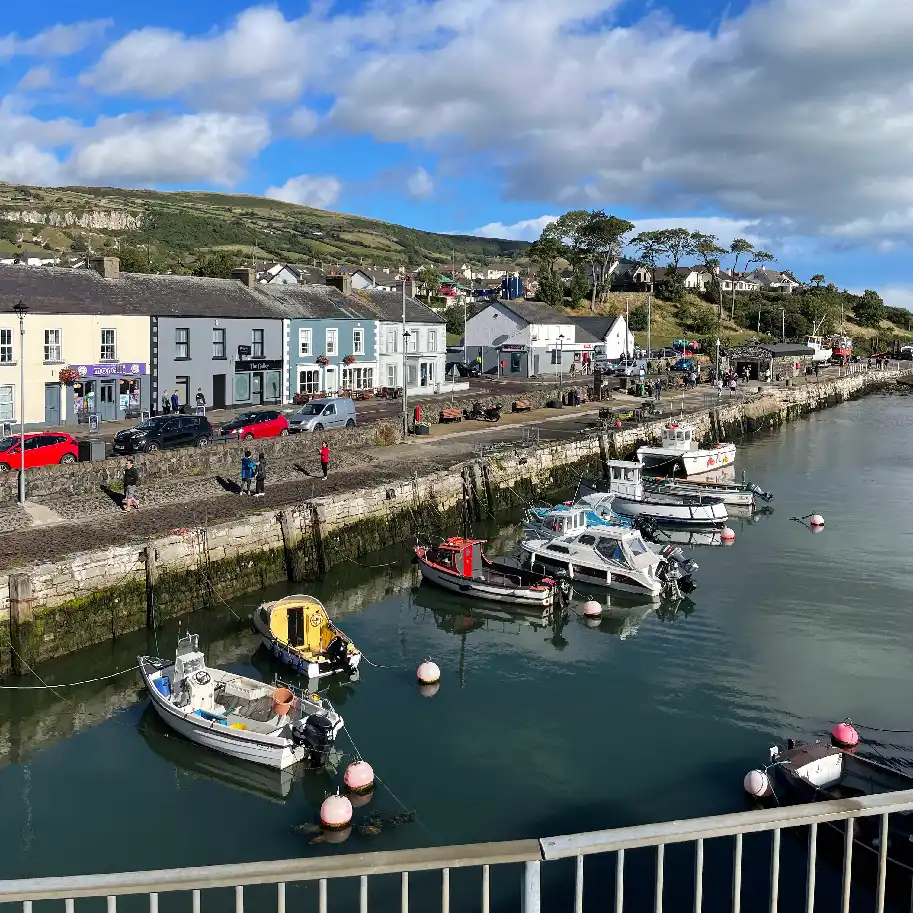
[[179, 225]]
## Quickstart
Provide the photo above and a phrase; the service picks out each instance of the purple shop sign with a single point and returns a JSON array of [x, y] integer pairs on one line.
[[128, 369]]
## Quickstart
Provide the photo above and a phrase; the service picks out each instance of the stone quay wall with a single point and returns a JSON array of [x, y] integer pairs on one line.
[[51, 609]]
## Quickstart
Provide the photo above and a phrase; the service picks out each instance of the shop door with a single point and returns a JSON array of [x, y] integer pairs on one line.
[[331, 385], [108, 408], [535, 364], [256, 389], [52, 404], [423, 371], [218, 391]]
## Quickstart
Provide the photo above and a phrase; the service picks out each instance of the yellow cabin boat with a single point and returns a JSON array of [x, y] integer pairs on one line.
[[297, 630]]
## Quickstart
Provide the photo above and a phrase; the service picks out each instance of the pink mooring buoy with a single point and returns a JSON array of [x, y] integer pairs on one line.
[[336, 812], [428, 673], [816, 521], [359, 777], [727, 535], [844, 735], [757, 784]]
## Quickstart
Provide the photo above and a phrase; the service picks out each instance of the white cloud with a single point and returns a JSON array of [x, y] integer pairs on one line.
[[420, 184], [318, 190], [301, 122], [133, 149], [57, 41], [36, 78], [896, 296], [525, 230]]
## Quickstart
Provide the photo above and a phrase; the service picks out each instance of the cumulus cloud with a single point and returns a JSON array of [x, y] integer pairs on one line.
[[36, 78], [524, 230], [57, 41], [301, 122], [420, 184], [318, 190]]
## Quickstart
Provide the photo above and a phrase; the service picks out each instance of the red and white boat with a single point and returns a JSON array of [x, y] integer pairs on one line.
[[841, 347], [460, 565], [679, 447]]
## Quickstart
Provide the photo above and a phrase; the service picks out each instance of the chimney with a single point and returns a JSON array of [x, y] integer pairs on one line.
[[106, 267], [341, 281], [245, 275]]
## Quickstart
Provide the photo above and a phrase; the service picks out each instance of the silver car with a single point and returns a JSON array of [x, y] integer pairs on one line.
[[324, 415]]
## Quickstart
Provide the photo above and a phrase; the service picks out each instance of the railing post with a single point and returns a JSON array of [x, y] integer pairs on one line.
[[531, 888]]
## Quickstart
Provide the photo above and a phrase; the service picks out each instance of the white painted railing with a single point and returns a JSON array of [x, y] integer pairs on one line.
[[532, 854]]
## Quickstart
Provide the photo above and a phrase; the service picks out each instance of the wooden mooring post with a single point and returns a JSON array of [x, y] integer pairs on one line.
[[21, 607], [150, 556], [291, 537]]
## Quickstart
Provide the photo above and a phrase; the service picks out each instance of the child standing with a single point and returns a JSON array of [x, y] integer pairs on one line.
[[247, 473]]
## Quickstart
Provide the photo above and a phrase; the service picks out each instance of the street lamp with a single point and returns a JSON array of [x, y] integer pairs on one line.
[[560, 361], [21, 310], [406, 335]]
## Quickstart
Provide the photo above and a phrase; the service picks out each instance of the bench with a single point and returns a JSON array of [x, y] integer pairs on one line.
[[523, 405], [450, 415]]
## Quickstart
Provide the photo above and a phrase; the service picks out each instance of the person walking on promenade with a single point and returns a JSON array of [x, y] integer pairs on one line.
[[201, 397], [247, 472], [131, 480], [658, 389], [325, 459], [166, 403], [732, 383], [175, 402], [260, 473]]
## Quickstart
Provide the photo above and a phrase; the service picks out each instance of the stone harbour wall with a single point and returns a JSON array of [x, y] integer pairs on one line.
[[51, 609]]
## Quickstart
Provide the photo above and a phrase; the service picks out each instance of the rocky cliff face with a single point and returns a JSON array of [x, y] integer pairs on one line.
[[95, 219]]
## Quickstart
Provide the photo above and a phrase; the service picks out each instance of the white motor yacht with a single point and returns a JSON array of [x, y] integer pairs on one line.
[[679, 447]]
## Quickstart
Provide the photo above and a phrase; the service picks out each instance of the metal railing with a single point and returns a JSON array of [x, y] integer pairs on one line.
[[534, 855]]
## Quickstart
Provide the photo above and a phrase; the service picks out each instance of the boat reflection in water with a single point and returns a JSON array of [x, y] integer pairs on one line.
[[254, 779], [338, 689], [459, 615]]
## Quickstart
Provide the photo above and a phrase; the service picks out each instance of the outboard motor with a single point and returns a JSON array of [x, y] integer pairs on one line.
[[336, 651], [316, 734], [563, 589]]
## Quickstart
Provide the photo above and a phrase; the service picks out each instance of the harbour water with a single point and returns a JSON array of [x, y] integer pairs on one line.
[[535, 731]]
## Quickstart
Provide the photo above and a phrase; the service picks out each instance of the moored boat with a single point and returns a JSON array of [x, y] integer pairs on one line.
[[822, 350], [238, 716], [679, 447], [460, 565], [734, 494], [591, 510], [298, 631], [841, 347]]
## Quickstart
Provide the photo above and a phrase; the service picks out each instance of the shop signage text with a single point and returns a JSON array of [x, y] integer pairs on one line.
[[130, 369], [270, 364]]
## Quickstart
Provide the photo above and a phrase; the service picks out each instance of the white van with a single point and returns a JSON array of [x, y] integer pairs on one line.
[[324, 415]]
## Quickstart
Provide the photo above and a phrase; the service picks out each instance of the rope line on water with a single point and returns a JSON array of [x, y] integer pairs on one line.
[[46, 687]]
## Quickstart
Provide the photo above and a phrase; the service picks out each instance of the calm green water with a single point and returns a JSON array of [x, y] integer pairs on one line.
[[534, 732]]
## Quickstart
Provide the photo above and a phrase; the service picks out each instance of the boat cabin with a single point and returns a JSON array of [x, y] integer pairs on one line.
[[625, 479], [459, 556], [300, 622], [679, 436], [563, 520]]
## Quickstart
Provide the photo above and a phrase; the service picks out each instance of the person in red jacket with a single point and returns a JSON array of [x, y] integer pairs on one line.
[[325, 458]]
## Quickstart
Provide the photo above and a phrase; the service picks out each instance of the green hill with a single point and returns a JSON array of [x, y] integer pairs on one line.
[[179, 226]]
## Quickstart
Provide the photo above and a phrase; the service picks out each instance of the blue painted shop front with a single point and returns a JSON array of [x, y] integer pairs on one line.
[[332, 354]]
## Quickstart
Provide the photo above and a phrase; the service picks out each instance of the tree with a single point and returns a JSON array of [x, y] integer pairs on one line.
[[818, 279], [707, 247], [638, 321], [759, 257], [136, 260], [9, 232], [579, 287], [869, 309], [551, 291], [217, 265], [649, 246], [80, 246], [738, 247], [545, 253], [601, 240], [430, 280]]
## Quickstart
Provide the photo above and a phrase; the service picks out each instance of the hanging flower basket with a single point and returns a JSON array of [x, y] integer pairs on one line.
[[349, 360], [322, 360], [68, 375]]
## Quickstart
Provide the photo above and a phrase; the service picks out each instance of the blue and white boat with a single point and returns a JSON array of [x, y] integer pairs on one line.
[[592, 510]]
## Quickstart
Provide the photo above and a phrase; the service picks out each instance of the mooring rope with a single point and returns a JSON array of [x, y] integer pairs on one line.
[[46, 687]]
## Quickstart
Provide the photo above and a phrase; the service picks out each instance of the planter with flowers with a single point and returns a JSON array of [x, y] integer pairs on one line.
[[68, 375], [349, 360], [322, 360], [421, 428]]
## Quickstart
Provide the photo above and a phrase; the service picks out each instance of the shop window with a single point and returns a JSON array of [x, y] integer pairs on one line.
[[358, 378], [309, 380], [242, 388]]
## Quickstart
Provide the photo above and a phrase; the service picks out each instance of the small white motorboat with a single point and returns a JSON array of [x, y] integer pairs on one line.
[[591, 510], [613, 557], [733, 495], [679, 447], [625, 482], [237, 716]]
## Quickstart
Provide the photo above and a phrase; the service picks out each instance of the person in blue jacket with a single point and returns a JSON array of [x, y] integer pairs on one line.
[[247, 472]]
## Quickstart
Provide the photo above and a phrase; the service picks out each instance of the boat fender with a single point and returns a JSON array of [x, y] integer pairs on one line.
[[359, 777], [592, 609], [757, 784]]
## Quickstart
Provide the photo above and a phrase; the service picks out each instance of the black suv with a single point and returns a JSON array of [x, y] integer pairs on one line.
[[164, 431]]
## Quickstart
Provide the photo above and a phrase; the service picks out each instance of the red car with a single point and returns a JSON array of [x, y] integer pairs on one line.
[[41, 449], [248, 425]]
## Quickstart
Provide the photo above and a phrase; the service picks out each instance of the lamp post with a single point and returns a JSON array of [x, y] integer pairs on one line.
[[560, 362], [21, 310], [406, 335]]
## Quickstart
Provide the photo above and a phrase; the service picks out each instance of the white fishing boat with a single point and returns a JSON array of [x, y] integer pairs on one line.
[[613, 557], [822, 350], [237, 716], [734, 494], [630, 499], [679, 447]]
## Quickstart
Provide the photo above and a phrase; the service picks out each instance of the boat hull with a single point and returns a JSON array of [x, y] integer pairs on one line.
[[521, 596], [730, 496], [694, 462], [673, 514]]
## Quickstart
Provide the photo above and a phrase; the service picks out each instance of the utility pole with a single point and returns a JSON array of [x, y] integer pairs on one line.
[[649, 315], [627, 325], [560, 363], [21, 310], [464, 328], [782, 324], [405, 346]]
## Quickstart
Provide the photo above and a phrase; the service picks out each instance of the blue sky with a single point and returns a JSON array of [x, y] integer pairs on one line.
[[783, 121]]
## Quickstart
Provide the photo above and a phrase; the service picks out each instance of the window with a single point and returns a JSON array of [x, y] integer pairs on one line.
[[358, 342], [304, 342], [7, 399], [218, 342], [587, 540], [182, 343], [432, 340], [391, 341], [109, 345], [412, 341], [309, 380], [331, 348], [391, 375], [52, 346], [182, 388], [358, 378], [6, 347], [431, 378], [257, 348]]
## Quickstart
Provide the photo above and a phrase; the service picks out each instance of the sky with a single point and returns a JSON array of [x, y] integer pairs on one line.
[[786, 122]]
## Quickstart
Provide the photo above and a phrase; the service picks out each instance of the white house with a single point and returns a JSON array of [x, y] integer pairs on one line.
[[48, 259], [279, 274], [743, 283], [421, 355], [773, 279], [692, 277], [533, 338]]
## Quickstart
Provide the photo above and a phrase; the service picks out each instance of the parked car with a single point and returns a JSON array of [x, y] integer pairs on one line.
[[630, 368], [464, 368], [324, 414], [162, 432], [249, 425], [684, 364], [41, 449]]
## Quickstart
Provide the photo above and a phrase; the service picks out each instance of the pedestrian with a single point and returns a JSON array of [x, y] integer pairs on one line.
[[201, 397], [658, 389], [166, 403], [325, 458], [247, 473], [732, 386], [175, 402], [261, 476], [719, 389], [131, 480]]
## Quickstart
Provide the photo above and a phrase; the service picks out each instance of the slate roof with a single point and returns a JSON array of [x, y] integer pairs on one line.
[[593, 329], [534, 311], [58, 290], [787, 349]]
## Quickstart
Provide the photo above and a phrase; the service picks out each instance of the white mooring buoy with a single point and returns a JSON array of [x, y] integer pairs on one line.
[[757, 784], [592, 609], [428, 673]]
